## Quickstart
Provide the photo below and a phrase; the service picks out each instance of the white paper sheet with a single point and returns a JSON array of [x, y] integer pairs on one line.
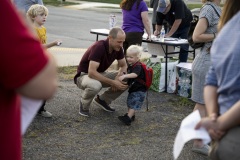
[[187, 132], [29, 108]]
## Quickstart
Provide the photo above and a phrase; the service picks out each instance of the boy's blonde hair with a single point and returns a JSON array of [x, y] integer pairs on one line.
[[135, 49], [35, 10]]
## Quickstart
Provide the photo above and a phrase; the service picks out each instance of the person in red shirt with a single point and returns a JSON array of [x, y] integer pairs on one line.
[[26, 69]]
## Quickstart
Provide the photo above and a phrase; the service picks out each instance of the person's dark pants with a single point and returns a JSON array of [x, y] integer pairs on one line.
[[153, 27], [42, 107], [132, 38], [182, 33]]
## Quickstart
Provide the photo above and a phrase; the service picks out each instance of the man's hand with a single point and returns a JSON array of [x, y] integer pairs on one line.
[[119, 85]]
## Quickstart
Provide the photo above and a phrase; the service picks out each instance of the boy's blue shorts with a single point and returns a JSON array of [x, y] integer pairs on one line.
[[135, 100]]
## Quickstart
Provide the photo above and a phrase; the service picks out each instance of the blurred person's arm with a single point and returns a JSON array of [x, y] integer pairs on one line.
[[26, 67], [52, 44], [146, 23], [44, 84], [199, 34], [122, 64]]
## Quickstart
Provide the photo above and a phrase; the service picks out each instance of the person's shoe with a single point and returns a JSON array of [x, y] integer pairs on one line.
[[125, 119], [45, 113], [133, 117], [201, 150], [82, 111], [102, 104]]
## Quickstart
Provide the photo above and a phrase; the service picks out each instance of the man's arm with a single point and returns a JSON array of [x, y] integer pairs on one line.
[[44, 84], [52, 44], [174, 28], [93, 73], [159, 22], [122, 64]]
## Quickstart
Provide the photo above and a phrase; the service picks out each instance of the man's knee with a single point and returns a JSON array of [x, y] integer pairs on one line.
[[93, 88]]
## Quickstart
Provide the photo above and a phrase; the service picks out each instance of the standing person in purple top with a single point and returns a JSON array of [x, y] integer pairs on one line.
[[92, 76], [135, 19]]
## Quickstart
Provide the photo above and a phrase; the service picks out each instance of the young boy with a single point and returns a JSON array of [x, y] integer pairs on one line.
[[38, 14], [137, 90]]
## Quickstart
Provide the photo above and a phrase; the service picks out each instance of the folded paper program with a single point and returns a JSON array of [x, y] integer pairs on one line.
[[187, 132]]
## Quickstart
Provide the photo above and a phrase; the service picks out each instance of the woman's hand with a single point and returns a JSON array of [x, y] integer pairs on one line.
[[211, 125]]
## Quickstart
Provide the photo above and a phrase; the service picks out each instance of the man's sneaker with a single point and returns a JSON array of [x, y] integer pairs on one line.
[[82, 111], [133, 117], [102, 104], [201, 150], [125, 119], [45, 113]]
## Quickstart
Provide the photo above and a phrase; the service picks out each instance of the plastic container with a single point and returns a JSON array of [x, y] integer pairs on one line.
[[162, 35], [112, 21]]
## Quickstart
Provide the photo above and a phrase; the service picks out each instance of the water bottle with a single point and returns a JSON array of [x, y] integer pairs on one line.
[[112, 21], [162, 35]]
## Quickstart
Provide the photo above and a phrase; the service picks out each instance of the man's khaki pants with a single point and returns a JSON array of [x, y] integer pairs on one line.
[[91, 87]]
